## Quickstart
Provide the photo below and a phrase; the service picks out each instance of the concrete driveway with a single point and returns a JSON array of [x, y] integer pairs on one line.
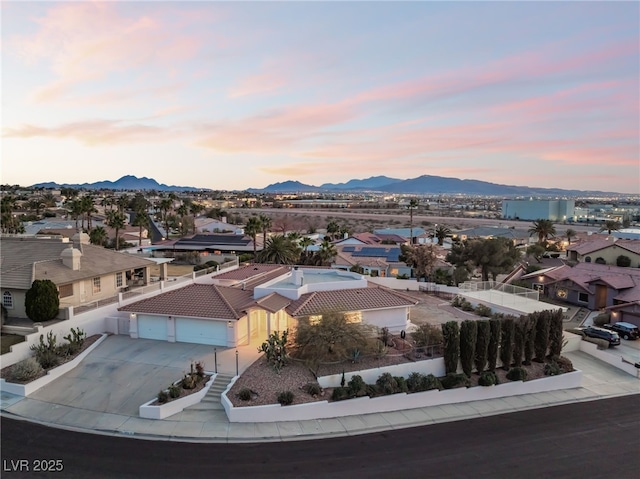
[[123, 373]]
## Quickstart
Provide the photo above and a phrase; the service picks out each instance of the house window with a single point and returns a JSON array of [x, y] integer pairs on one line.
[[583, 297], [353, 317], [96, 285], [7, 300], [118, 280], [65, 290], [600, 260], [587, 259]]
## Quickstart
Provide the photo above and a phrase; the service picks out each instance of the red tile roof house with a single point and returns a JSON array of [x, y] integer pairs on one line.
[[605, 251], [593, 286], [247, 304]]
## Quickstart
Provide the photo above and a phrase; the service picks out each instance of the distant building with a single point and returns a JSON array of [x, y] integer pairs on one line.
[[554, 210]]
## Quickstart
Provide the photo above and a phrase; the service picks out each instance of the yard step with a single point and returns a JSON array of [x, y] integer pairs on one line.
[[212, 400]]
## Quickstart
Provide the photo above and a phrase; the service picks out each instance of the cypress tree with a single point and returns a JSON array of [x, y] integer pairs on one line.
[[451, 336], [555, 334], [468, 337], [542, 336], [42, 301], [494, 341], [482, 345], [506, 342], [530, 337], [519, 340]]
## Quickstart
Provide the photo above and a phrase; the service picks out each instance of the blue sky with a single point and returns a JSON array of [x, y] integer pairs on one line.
[[244, 94]]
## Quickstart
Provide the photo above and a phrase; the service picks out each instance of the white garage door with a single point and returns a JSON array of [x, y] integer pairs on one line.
[[201, 331], [152, 327]]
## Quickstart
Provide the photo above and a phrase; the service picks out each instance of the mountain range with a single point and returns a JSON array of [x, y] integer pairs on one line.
[[425, 184]]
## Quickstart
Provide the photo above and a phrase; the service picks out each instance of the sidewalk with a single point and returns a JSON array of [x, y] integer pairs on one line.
[[599, 381]]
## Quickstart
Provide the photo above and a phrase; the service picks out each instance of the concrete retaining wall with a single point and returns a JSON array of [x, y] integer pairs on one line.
[[52, 375], [395, 402], [163, 411], [609, 358]]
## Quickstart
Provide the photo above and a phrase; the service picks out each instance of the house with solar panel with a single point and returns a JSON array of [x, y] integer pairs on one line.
[[245, 305], [380, 260]]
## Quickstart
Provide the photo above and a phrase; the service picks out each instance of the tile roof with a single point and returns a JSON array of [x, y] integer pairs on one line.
[[24, 259], [360, 299], [196, 301], [591, 246], [273, 302]]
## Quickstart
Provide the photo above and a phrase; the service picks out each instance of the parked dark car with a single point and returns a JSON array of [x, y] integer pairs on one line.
[[625, 330], [601, 333]]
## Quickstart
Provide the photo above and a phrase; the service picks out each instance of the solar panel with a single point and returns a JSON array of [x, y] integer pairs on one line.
[[349, 249]]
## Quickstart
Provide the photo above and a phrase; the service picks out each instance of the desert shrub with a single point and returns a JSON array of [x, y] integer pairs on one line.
[[26, 369], [285, 398], [494, 343], [468, 336], [339, 394], [488, 378], [46, 353], [565, 364], [455, 302], [275, 349], [199, 367], [313, 389], [387, 384], [451, 337], [356, 386], [506, 342], [75, 340], [517, 374], [541, 344], [432, 382], [163, 397], [452, 380], [427, 335], [601, 343], [385, 337], [189, 381], [244, 394], [577, 331], [174, 391], [552, 369], [416, 382], [483, 310], [466, 305], [482, 345], [602, 319]]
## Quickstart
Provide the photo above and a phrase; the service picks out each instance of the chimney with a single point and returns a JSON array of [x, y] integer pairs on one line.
[[297, 276], [71, 258]]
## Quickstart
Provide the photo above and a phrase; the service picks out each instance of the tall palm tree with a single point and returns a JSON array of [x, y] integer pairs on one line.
[[266, 223], [195, 209], [75, 210], [442, 231], [413, 204], [88, 208], [304, 243], [252, 228], [333, 228], [280, 250], [610, 225], [123, 203], [116, 220], [543, 229], [141, 220], [98, 236], [164, 206], [570, 234], [326, 253]]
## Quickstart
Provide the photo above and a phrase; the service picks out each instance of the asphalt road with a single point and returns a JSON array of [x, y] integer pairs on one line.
[[596, 439]]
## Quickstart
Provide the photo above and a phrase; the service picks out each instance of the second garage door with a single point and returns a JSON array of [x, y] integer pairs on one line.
[[201, 331]]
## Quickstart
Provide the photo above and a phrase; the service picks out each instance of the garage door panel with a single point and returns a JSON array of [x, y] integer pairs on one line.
[[152, 327], [201, 331]]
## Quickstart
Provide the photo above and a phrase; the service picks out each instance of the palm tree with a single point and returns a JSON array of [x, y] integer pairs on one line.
[[442, 231], [280, 250], [252, 228], [413, 204], [88, 208], [115, 220], [164, 206], [98, 236], [326, 253], [75, 210], [294, 236], [266, 223], [333, 228], [304, 243], [543, 229], [610, 225], [570, 234], [123, 203], [195, 209], [141, 220]]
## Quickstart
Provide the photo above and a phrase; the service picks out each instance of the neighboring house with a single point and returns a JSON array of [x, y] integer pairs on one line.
[[590, 285], [82, 272], [383, 260], [247, 304], [403, 232], [605, 251], [208, 242], [382, 238], [519, 237], [628, 312], [209, 225]]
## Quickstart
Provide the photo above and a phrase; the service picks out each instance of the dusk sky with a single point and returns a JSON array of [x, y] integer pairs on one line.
[[245, 94]]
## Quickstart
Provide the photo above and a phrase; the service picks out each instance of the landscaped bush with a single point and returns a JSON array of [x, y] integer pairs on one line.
[[601, 343], [387, 384], [466, 306], [26, 369], [285, 398], [427, 335], [174, 391], [577, 331], [402, 384], [483, 310], [565, 364], [46, 353], [468, 336], [602, 319], [339, 394], [356, 386], [452, 380], [244, 394], [517, 374], [555, 334], [488, 378], [75, 340], [552, 369], [313, 389], [416, 382], [163, 397], [275, 349], [451, 337]]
